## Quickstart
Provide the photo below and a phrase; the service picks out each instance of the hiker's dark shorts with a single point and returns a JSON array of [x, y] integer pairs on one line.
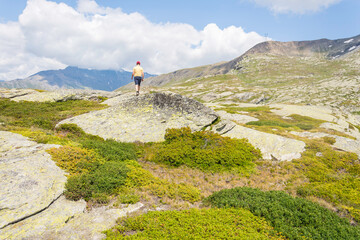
[[137, 80]]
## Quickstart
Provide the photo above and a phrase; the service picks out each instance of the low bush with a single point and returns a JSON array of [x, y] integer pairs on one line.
[[111, 150], [105, 180], [194, 224], [296, 218], [204, 150]]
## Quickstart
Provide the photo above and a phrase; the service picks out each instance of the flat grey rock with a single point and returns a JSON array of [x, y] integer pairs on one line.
[[271, 146]]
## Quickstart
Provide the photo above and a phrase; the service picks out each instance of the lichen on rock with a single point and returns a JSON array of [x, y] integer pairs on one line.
[[145, 118]]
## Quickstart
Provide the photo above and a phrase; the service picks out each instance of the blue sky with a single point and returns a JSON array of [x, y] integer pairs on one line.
[[165, 35], [340, 20]]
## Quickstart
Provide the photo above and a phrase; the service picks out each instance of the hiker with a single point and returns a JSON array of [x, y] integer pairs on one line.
[[138, 75]]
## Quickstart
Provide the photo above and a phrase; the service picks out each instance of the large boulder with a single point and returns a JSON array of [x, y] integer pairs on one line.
[[145, 118]]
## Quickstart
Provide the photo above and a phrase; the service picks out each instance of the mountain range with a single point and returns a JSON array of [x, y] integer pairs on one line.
[[73, 78]]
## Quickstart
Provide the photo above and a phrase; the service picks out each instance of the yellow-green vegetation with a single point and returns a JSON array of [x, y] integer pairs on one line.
[[205, 150], [76, 160], [334, 176], [296, 218], [43, 136], [194, 224], [141, 179], [43, 115], [233, 109]]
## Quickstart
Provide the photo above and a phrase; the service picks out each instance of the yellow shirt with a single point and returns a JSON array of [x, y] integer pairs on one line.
[[138, 71]]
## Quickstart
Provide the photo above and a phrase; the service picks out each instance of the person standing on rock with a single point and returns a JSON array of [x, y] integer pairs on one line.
[[138, 75]]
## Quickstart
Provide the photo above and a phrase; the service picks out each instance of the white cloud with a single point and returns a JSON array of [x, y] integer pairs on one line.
[[296, 6], [15, 61], [51, 35]]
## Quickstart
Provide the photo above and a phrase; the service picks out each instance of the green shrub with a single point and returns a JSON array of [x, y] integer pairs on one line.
[[296, 218], [106, 179], [194, 224], [204, 150], [109, 176], [111, 150], [78, 187]]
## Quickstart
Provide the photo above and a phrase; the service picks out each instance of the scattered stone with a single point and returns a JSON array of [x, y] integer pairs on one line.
[[272, 146], [244, 96], [224, 126], [145, 118], [319, 154], [261, 99], [209, 97]]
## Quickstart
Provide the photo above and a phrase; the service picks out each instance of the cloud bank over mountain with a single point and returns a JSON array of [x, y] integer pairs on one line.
[[49, 35], [296, 6]]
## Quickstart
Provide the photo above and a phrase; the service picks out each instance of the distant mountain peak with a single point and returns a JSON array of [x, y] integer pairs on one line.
[[73, 77]]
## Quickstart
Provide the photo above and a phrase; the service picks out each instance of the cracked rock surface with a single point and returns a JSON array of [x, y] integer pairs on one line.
[[30, 180], [145, 118], [31, 202]]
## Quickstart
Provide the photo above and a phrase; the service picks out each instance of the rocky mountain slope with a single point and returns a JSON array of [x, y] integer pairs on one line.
[[73, 78], [323, 48]]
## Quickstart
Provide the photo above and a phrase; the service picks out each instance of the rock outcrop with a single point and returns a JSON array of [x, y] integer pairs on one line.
[[60, 95], [144, 118]]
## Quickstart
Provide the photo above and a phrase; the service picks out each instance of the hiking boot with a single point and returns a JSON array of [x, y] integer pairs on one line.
[[137, 93]]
